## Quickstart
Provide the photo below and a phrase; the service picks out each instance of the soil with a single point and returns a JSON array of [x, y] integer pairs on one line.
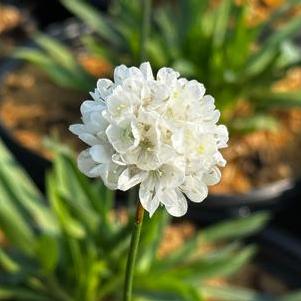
[[32, 107], [10, 17], [263, 157], [15, 25]]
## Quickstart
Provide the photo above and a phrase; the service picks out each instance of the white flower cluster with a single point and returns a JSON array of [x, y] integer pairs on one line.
[[160, 132]]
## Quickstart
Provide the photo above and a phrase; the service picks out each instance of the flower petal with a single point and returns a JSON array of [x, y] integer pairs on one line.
[[86, 165], [219, 159], [100, 153], [110, 174], [146, 70], [167, 75], [105, 87], [212, 177], [120, 73], [130, 177], [118, 159], [194, 90], [147, 195], [122, 137], [89, 106], [171, 176], [174, 202], [195, 189]]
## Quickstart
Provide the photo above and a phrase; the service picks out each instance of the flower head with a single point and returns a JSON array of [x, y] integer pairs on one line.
[[161, 133]]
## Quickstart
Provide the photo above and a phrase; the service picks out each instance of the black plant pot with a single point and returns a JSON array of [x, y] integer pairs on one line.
[[279, 198], [34, 164], [280, 254], [47, 12]]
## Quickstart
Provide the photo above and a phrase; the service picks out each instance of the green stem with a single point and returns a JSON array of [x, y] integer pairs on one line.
[[130, 268], [146, 24]]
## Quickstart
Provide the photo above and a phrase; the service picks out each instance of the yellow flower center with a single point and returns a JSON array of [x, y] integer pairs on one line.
[[201, 149]]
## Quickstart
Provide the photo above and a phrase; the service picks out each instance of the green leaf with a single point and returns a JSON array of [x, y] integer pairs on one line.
[[267, 100], [231, 229], [290, 55], [257, 122], [69, 224], [236, 228], [220, 266], [230, 293], [185, 67], [57, 51], [12, 222], [119, 241], [294, 296], [74, 78], [14, 226], [172, 287], [260, 59], [59, 75], [93, 18], [168, 30], [7, 263], [47, 252], [98, 48], [152, 235], [71, 189], [221, 24], [21, 191], [19, 293], [155, 52]]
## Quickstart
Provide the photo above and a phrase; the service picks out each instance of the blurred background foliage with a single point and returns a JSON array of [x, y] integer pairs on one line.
[[70, 244], [239, 59]]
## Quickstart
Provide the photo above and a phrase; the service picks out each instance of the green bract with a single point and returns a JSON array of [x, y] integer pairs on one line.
[[66, 247]]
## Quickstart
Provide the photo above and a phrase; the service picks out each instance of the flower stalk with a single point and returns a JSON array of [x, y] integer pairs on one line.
[[130, 268]]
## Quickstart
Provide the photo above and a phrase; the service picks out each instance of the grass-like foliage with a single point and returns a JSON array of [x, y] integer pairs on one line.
[[58, 61], [235, 60], [215, 44], [67, 246]]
